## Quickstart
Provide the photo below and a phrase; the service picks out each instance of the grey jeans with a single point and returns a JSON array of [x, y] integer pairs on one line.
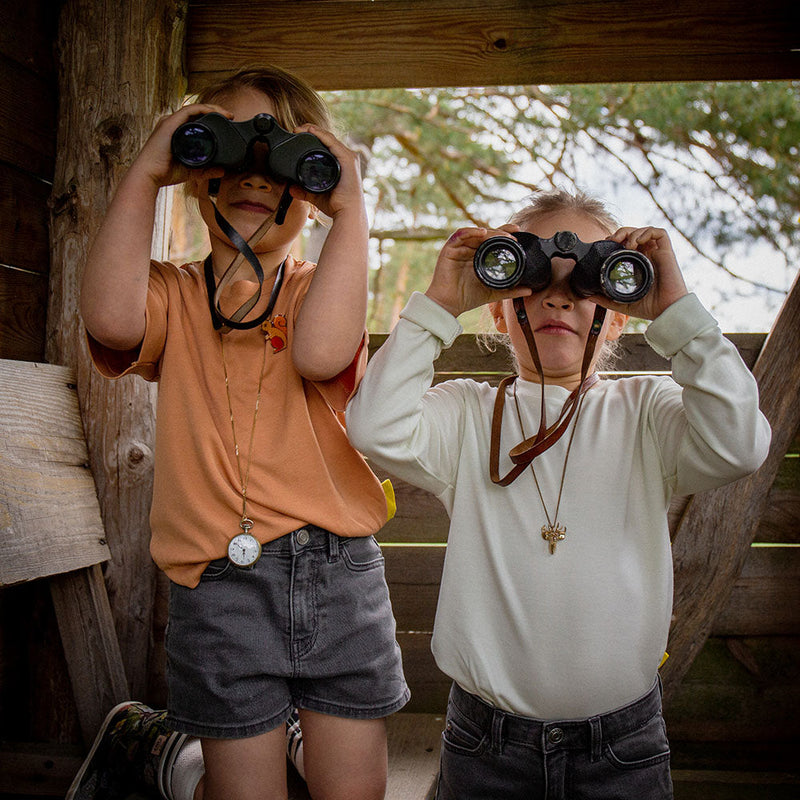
[[488, 754]]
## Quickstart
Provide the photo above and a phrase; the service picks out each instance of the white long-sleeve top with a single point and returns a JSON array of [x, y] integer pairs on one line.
[[582, 631]]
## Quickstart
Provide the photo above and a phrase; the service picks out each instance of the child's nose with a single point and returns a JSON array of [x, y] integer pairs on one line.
[[559, 293], [257, 175], [255, 180]]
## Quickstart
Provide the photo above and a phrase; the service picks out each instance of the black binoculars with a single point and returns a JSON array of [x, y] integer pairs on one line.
[[604, 267], [215, 141]]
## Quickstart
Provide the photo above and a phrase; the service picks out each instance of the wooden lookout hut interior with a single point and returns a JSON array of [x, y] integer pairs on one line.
[[83, 608]]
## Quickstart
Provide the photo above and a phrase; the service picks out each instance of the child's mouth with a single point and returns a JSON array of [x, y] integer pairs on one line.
[[554, 328], [255, 208]]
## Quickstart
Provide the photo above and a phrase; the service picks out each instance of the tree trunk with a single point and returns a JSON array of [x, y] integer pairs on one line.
[[120, 68]]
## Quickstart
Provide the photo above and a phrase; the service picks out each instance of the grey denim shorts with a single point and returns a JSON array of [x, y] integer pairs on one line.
[[310, 626]]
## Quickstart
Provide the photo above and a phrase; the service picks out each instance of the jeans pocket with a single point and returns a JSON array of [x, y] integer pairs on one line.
[[216, 570], [461, 735], [361, 553], [642, 748]]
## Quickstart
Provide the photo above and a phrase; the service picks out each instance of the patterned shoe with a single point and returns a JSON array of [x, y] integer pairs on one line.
[[132, 744], [294, 742]]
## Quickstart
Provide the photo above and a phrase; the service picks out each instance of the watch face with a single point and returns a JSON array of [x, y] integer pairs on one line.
[[244, 550]]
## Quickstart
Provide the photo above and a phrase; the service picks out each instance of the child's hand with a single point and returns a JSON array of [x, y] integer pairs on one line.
[[668, 285], [348, 192], [155, 160], [454, 285]]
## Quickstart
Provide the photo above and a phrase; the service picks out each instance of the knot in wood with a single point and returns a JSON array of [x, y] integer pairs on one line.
[[138, 455], [113, 137]]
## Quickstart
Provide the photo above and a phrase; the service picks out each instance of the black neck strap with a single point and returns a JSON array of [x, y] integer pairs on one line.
[[219, 320]]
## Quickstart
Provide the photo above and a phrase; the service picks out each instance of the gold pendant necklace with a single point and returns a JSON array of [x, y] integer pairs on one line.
[[243, 549], [552, 533]]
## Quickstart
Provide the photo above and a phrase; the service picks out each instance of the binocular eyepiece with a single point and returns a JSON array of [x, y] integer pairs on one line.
[[215, 141], [604, 267]]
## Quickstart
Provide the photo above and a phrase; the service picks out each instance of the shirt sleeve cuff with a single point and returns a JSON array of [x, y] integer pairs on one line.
[[683, 321], [428, 314]]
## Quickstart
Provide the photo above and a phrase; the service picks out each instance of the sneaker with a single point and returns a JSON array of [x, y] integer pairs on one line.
[[126, 754], [294, 742]]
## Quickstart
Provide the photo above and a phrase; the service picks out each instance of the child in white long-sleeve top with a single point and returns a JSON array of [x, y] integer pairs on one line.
[[556, 595]]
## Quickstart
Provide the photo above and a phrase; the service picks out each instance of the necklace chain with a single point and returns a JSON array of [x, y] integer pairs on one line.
[[246, 523], [552, 532]]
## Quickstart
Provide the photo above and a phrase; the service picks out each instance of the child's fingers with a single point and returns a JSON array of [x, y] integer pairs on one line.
[[647, 237]]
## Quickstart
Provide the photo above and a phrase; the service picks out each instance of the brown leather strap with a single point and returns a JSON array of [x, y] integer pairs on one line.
[[523, 453]]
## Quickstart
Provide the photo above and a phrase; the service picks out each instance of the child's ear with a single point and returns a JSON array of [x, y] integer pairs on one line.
[[498, 316], [616, 324]]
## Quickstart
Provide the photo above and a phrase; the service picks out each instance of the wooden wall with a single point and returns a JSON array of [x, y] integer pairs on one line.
[[27, 161], [35, 695]]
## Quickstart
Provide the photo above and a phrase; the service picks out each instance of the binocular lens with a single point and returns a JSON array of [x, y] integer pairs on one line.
[[318, 172], [194, 145], [626, 277], [499, 262]]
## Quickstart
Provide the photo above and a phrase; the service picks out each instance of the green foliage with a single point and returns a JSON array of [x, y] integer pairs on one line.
[[716, 163]]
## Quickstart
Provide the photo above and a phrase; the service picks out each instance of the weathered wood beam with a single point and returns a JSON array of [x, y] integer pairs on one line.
[[120, 68], [714, 536], [396, 43], [90, 645]]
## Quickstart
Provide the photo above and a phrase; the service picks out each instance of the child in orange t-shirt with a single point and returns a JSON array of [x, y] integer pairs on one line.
[[263, 513]]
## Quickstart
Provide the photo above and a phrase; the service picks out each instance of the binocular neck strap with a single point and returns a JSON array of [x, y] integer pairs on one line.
[[245, 248], [545, 437]]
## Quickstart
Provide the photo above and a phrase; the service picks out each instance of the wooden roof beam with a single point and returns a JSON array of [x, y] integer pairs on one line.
[[352, 44]]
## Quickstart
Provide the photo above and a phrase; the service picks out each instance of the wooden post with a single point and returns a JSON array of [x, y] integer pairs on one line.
[[120, 67], [715, 533]]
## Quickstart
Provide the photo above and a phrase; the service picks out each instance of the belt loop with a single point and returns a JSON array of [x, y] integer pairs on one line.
[[596, 727], [333, 548], [498, 718]]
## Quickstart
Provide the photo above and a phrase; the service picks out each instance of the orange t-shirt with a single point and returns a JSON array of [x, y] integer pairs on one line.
[[303, 469]]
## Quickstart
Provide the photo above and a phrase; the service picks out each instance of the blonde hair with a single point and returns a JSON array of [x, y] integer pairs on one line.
[[558, 200], [295, 101]]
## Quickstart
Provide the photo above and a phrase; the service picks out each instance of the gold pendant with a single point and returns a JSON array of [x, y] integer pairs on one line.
[[553, 534]]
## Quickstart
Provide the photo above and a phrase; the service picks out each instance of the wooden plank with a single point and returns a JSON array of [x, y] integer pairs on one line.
[[735, 784], [414, 743], [739, 690], [765, 599], [90, 644], [421, 43], [35, 768], [27, 120], [467, 356], [719, 526], [48, 506], [429, 685], [23, 308], [414, 574], [24, 232]]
